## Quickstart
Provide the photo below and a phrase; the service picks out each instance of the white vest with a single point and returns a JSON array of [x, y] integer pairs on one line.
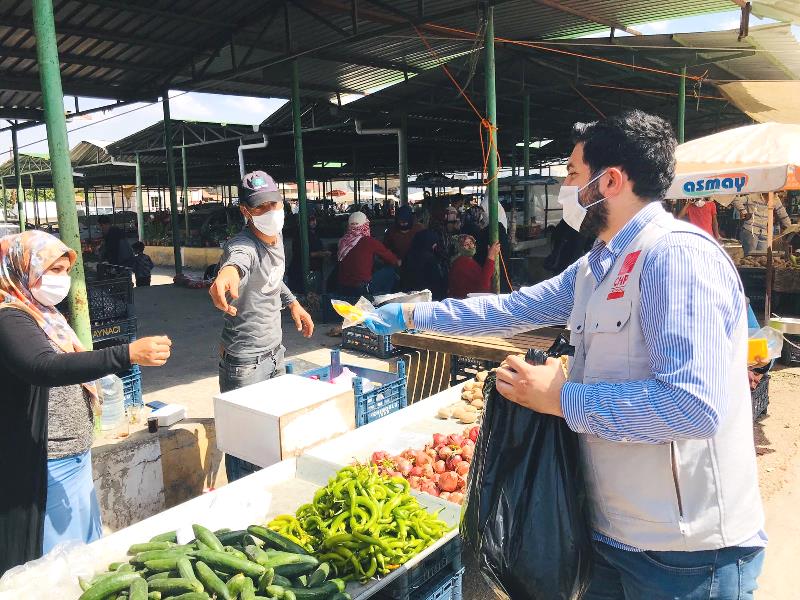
[[686, 495]]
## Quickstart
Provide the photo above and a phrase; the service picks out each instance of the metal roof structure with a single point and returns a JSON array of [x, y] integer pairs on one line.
[[132, 51]]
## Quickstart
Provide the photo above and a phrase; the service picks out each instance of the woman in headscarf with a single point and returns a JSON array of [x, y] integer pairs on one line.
[[356, 255], [467, 276], [401, 233], [428, 259], [40, 351], [482, 239]]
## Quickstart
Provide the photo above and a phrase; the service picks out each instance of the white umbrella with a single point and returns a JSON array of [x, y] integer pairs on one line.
[[743, 160]]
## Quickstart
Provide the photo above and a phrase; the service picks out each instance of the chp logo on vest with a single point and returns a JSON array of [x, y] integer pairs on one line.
[[618, 288], [731, 182]]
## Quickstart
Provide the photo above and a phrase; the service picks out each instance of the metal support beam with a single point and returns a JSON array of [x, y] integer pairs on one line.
[[139, 204], [185, 189], [402, 139], [526, 155], [173, 193], [682, 106], [18, 180], [491, 115], [302, 212], [58, 145], [5, 200]]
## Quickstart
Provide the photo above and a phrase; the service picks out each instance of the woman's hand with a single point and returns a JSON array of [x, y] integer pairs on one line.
[[493, 252], [150, 351]]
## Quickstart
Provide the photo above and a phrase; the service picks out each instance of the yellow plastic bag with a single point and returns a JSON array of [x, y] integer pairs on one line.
[[358, 313]]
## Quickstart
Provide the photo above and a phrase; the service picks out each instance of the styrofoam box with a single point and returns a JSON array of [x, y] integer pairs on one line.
[[269, 421]]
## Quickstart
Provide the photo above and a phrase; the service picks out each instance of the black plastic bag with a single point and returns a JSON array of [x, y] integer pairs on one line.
[[525, 514]]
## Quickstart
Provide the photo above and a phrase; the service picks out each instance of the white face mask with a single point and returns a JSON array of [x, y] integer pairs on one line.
[[569, 199], [270, 223], [52, 289], [699, 203]]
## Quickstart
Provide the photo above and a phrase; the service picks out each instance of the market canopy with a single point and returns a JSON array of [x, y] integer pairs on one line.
[[765, 101], [750, 159]]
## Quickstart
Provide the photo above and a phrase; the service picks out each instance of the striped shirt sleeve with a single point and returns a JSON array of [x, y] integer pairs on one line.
[[546, 303], [687, 325]]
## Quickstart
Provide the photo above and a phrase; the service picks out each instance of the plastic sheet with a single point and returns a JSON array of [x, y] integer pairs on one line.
[[356, 314], [525, 514]]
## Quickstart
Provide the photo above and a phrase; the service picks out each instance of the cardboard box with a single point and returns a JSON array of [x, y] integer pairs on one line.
[[281, 417]]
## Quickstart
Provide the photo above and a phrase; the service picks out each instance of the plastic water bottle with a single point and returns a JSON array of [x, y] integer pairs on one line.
[[113, 398]]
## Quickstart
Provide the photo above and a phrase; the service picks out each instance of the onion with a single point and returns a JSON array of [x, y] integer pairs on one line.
[[416, 471], [439, 439], [448, 481], [403, 466], [456, 497], [445, 452], [462, 468], [439, 466]]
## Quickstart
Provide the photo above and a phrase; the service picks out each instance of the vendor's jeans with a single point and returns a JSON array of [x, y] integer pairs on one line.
[[73, 513], [725, 574], [237, 372], [753, 243]]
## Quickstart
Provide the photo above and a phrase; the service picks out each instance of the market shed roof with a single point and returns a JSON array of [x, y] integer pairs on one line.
[[130, 51]]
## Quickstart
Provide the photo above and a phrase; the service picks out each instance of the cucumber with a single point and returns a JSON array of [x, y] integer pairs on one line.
[[320, 592], [160, 575], [211, 582], [281, 581], [234, 552], [235, 584], [136, 548], [84, 583], [256, 554], [174, 586], [192, 596], [249, 539], [289, 595], [301, 581], [175, 552], [222, 531], [153, 595], [115, 565], [275, 540], [163, 564], [231, 538], [248, 591], [167, 536], [275, 591], [341, 596], [138, 589], [289, 564], [107, 586], [125, 568], [228, 562], [185, 569], [266, 579], [319, 576], [207, 537]]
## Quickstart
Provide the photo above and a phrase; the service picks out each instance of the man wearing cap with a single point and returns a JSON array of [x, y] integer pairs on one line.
[[251, 272]]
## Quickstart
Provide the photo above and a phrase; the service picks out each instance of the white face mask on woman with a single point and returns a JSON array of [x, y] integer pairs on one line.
[[52, 289], [270, 223]]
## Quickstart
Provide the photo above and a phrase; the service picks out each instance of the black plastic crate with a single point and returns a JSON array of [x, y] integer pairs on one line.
[[362, 339], [790, 355], [423, 579], [120, 332], [448, 586], [110, 299], [463, 368], [760, 397]]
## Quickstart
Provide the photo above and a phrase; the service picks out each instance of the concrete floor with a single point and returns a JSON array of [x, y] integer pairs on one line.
[[190, 378]]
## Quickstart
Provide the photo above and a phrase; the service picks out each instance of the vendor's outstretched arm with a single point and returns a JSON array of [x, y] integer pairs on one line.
[[546, 303]]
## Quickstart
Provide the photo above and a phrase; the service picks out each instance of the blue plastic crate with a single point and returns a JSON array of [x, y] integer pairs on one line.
[[440, 573], [390, 395], [132, 386], [362, 339], [121, 332]]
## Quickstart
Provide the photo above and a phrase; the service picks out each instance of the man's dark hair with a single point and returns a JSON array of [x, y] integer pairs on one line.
[[104, 220], [640, 144], [137, 246]]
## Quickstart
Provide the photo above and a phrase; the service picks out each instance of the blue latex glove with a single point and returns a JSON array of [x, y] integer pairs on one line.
[[392, 314]]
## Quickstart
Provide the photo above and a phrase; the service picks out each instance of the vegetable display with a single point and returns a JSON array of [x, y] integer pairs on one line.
[[362, 523], [440, 469], [252, 564]]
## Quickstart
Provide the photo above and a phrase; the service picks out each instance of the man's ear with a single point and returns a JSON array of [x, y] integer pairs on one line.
[[615, 181]]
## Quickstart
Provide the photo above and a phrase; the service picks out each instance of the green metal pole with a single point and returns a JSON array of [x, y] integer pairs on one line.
[[185, 193], [173, 192], [139, 204], [87, 203], [18, 181], [526, 155], [301, 175], [403, 174], [682, 106], [60, 166], [491, 115], [5, 200]]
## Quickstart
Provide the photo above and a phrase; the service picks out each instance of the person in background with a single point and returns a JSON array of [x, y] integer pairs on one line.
[[702, 213], [466, 275], [482, 241], [356, 256], [49, 401], [753, 211], [251, 272], [115, 248], [428, 260], [567, 245], [316, 254], [401, 233], [657, 394], [142, 265]]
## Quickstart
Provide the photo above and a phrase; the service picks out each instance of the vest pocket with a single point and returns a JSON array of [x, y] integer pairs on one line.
[[610, 318]]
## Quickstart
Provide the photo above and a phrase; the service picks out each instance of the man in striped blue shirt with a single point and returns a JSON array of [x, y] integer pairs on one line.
[[657, 391]]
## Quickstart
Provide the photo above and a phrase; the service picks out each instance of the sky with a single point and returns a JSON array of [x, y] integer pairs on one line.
[[245, 110]]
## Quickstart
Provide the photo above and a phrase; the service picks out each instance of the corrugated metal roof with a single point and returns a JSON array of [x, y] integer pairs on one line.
[[134, 50]]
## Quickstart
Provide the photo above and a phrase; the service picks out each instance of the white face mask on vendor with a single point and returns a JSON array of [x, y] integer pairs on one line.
[[52, 289], [270, 223]]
